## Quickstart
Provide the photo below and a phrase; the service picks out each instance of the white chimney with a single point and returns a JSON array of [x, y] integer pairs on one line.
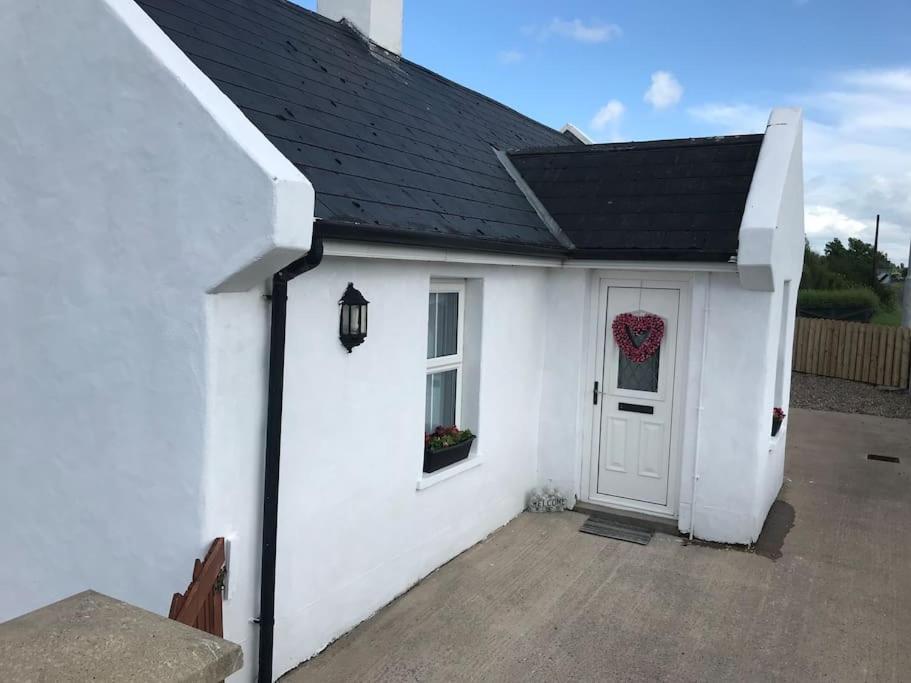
[[379, 20]]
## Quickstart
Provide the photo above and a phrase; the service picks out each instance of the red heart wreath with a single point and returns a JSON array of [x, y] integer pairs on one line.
[[627, 322]]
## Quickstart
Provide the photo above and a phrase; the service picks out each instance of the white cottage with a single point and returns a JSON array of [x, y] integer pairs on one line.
[[189, 187]]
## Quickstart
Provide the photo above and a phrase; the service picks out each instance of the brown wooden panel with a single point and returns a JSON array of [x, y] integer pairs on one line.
[[814, 347], [865, 356], [888, 379], [880, 355], [176, 602], [858, 352], [804, 327], [851, 362], [834, 362], [905, 358], [861, 353], [845, 362], [876, 354], [200, 605], [826, 334], [883, 333], [842, 351], [870, 355]]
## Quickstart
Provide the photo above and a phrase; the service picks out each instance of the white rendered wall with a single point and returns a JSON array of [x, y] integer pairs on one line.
[[130, 186], [735, 420], [566, 397], [789, 247], [233, 481], [354, 531], [740, 467]]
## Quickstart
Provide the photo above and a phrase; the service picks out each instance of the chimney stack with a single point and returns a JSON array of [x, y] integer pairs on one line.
[[379, 20]]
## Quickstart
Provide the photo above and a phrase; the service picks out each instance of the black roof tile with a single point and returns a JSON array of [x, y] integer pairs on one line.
[[681, 199], [385, 142], [398, 153]]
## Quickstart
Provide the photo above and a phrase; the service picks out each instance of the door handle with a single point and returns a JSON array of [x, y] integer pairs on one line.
[[596, 392], [635, 408]]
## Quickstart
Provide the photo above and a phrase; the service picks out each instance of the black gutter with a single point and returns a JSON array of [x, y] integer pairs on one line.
[[690, 255], [377, 234], [273, 451], [362, 232]]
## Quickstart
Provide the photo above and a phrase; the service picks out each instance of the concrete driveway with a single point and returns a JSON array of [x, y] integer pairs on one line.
[[540, 601]]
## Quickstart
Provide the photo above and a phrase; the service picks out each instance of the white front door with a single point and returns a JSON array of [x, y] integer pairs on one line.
[[634, 409]]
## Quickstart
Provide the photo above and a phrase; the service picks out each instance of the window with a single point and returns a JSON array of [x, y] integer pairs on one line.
[[445, 324]]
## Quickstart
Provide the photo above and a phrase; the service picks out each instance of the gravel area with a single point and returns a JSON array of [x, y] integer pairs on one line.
[[844, 396]]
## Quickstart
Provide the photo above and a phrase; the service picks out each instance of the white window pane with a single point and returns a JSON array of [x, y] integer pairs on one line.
[[441, 400], [443, 324]]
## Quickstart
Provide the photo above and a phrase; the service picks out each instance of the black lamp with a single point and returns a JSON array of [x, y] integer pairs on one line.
[[352, 320]]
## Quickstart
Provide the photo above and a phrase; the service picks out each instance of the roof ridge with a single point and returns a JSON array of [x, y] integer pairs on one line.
[[641, 144]]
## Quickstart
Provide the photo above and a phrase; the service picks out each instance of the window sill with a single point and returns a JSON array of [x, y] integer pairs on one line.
[[428, 480]]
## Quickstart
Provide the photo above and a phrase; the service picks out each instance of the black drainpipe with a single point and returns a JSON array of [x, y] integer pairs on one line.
[[273, 451]]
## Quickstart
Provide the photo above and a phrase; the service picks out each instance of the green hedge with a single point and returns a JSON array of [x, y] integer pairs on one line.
[[858, 297]]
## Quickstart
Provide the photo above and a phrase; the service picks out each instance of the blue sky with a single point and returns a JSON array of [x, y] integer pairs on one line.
[[647, 70]]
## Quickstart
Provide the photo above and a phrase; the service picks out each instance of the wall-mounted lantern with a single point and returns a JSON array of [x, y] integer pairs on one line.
[[352, 320]]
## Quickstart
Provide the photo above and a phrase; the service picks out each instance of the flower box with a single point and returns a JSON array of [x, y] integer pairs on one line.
[[776, 425], [438, 458], [777, 418]]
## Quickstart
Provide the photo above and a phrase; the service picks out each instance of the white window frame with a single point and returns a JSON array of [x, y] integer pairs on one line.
[[454, 361]]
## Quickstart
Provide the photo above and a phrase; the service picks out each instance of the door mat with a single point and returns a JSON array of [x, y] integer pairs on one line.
[[600, 526]]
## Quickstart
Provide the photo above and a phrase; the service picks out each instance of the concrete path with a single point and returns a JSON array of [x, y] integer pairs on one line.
[[540, 601]]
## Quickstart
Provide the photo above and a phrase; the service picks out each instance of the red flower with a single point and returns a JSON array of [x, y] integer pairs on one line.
[[625, 323], [441, 437]]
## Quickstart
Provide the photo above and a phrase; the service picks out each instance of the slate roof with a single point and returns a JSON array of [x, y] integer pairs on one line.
[[390, 147], [397, 153], [669, 199]]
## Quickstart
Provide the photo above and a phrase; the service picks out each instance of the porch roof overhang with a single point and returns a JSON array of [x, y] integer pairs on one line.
[[661, 200]]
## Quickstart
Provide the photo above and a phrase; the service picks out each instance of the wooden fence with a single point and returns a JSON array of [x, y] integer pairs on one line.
[[201, 605], [876, 354]]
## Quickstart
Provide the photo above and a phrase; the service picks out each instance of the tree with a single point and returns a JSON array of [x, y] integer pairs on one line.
[[817, 274], [856, 261], [850, 266]]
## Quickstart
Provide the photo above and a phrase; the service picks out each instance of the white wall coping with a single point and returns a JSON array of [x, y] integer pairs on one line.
[[759, 227], [293, 196], [577, 133]]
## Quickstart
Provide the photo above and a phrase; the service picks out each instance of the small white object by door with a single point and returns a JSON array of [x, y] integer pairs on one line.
[[632, 461]]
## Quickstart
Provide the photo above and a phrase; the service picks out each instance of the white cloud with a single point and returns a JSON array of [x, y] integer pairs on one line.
[[857, 154], [829, 221], [733, 118], [510, 56], [608, 118], [575, 29], [889, 79], [665, 90]]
